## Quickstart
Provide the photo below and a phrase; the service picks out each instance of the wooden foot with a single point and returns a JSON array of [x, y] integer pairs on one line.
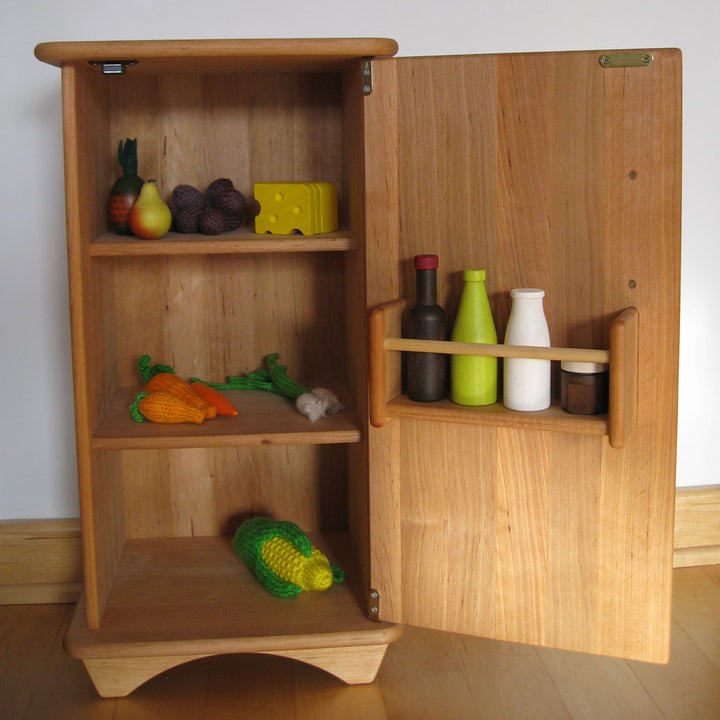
[[353, 665], [118, 677]]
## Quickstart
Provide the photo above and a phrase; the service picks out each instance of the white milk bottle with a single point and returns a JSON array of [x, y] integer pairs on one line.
[[526, 382]]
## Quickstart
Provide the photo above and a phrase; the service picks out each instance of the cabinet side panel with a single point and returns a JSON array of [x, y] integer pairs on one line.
[[101, 507], [355, 351], [580, 167], [381, 243], [642, 241]]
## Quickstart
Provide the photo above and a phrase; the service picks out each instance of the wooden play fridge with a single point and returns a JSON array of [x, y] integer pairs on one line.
[[552, 170]]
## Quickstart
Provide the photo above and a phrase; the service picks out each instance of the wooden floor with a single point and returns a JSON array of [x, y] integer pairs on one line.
[[425, 675]]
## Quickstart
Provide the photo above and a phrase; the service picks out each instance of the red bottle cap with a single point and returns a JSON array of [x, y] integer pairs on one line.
[[426, 262]]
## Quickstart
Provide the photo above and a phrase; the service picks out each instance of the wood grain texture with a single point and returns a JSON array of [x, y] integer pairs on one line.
[[425, 675], [263, 419], [623, 398], [697, 526], [40, 561], [353, 365], [385, 367], [582, 531], [242, 241], [449, 347], [145, 630], [84, 120], [213, 309], [643, 118], [545, 169], [164, 55]]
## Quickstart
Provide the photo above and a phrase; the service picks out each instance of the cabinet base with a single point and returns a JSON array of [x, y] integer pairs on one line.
[[175, 600], [118, 677]]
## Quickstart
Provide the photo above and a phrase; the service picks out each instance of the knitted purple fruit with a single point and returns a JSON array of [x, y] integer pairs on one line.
[[217, 187], [211, 222], [229, 202], [233, 222], [184, 196], [187, 219]]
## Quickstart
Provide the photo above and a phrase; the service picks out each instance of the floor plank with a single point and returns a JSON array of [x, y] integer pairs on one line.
[[319, 696], [599, 688], [696, 607], [422, 676], [426, 674], [688, 687], [27, 634], [60, 690]]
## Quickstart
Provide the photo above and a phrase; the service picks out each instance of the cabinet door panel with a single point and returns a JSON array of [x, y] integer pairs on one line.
[[547, 170]]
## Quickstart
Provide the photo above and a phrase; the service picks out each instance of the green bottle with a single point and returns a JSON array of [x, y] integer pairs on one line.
[[473, 378]]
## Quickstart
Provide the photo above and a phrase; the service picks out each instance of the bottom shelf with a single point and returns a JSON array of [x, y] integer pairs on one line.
[[179, 599]]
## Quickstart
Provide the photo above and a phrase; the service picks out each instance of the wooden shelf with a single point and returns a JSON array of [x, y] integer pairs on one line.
[[175, 599], [230, 243], [554, 418], [387, 402], [263, 419]]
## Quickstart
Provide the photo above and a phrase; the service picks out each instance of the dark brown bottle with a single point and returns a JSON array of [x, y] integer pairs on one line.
[[427, 372]]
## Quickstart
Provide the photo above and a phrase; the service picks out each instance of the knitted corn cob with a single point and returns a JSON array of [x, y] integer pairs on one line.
[[282, 558]]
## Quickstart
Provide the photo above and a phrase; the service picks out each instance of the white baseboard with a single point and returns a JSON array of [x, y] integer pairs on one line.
[[697, 526], [40, 561]]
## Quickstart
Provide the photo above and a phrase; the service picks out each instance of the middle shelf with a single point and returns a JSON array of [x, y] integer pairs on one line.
[[231, 243], [263, 419]]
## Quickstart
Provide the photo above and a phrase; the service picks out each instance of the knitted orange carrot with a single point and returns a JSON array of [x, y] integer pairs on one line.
[[164, 407], [169, 382], [163, 377], [215, 398]]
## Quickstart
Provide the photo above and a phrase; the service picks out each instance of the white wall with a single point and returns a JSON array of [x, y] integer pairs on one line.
[[37, 462]]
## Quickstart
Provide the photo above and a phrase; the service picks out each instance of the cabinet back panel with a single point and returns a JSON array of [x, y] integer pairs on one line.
[[257, 127], [215, 316], [185, 493]]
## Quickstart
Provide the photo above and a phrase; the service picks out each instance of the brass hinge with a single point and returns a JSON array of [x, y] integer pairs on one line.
[[374, 605], [366, 75], [112, 67], [626, 59]]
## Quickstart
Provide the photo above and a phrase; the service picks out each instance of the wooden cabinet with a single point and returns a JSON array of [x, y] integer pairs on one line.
[[552, 170]]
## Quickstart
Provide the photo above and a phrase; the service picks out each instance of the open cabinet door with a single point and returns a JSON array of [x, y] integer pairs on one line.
[[552, 170]]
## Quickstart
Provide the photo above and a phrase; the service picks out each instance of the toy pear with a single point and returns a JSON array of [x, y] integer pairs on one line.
[[150, 218]]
